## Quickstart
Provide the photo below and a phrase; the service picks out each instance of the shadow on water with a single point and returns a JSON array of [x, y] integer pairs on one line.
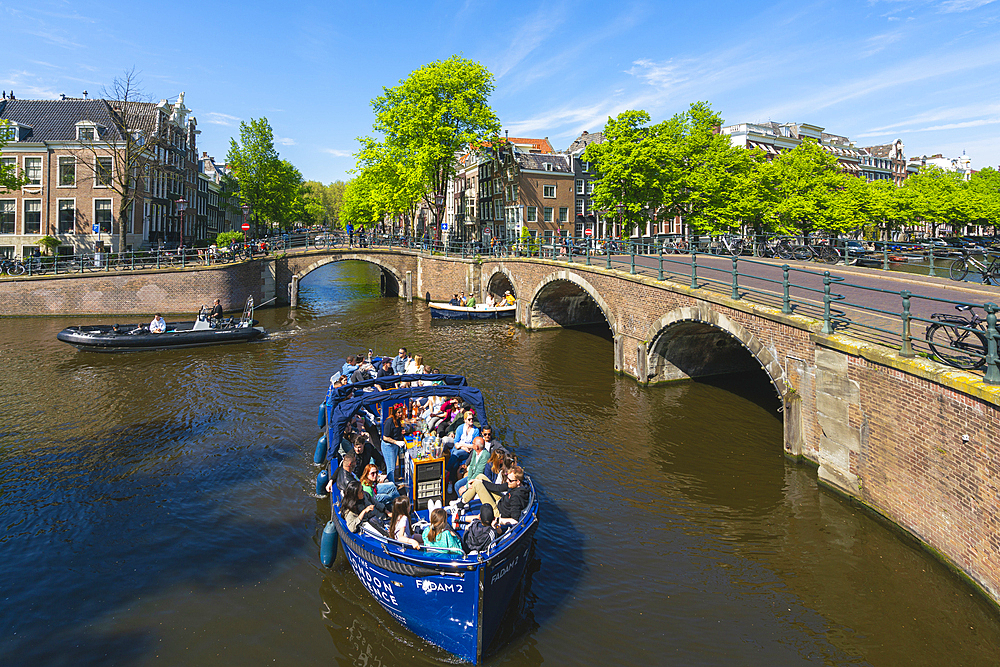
[[109, 520]]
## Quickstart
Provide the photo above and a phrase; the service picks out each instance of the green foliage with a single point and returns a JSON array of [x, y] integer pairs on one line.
[[50, 243], [9, 178], [436, 111], [225, 239], [330, 199]]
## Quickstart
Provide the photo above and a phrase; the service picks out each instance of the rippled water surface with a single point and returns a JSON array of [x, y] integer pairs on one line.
[[158, 508]]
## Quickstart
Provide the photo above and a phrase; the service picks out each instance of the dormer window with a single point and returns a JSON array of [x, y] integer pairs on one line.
[[548, 166], [8, 134], [86, 130]]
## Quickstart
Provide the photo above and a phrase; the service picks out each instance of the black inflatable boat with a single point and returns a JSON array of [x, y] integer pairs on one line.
[[137, 337]]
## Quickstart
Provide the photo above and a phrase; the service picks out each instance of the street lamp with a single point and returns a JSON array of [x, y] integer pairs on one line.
[[181, 205], [246, 211], [438, 203]]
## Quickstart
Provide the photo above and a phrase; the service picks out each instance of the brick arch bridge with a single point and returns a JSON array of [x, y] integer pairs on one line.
[[902, 436]]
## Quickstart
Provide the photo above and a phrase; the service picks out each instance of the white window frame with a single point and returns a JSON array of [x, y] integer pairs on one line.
[[579, 186], [590, 187], [581, 208], [59, 210], [13, 209], [585, 166], [111, 209], [547, 213], [97, 171], [85, 125], [41, 170], [563, 214], [531, 215], [59, 165], [546, 190], [24, 215]]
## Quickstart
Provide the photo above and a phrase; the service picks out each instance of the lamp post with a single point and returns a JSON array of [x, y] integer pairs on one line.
[[181, 205], [246, 211], [438, 203]]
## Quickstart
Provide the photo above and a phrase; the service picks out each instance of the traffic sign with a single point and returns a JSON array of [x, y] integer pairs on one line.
[[588, 232], [97, 228], [486, 232], [246, 227], [444, 226]]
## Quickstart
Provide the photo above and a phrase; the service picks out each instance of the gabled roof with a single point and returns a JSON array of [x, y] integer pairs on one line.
[[55, 120], [584, 140], [540, 145], [537, 162]]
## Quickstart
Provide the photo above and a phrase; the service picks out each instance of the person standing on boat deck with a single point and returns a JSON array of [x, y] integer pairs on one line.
[[157, 326], [475, 465], [399, 362], [216, 313], [439, 535], [392, 439]]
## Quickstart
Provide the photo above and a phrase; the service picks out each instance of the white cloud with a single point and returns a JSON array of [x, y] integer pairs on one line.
[[284, 141], [25, 85], [336, 152], [963, 5], [216, 118]]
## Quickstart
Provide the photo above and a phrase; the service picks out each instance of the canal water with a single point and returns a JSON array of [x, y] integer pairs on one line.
[[159, 509]]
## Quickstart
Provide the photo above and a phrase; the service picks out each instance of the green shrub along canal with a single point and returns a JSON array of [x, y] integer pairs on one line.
[[158, 508]]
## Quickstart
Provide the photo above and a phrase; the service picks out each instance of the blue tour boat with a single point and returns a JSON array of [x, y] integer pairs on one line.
[[455, 602]]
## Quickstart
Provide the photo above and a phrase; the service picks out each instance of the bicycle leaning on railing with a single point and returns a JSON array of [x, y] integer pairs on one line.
[[11, 267], [988, 268], [958, 340]]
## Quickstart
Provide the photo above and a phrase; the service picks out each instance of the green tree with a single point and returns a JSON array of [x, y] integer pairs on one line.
[[269, 185], [984, 186], [933, 197], [809, 188], [438, 110]]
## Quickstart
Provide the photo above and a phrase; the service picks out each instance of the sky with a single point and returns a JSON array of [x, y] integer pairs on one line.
[[924, 71]]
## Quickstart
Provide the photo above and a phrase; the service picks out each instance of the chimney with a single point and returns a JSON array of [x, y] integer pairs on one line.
[[85, 94], [62, 96]]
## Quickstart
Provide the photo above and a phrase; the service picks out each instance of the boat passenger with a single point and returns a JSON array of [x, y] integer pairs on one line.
[[509, 298], [475, 465], [487, 434], [517, 498], [454, 301], [415, 363], [399, 523], [471, 301], [356, 506], [495, 473], [157, 326], [364, 372], [399, 362], [364, 453], [481, 532], [462, 447], [216, 312], [350, 365], [344, 474], [490, 302], [378, 485], [385, 369], [461, 299], [439, 535], [392, 439]]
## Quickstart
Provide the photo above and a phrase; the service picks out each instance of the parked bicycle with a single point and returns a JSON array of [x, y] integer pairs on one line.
[[821, 251], [11, 267], [731, 244], [988, 268], [958, 340]]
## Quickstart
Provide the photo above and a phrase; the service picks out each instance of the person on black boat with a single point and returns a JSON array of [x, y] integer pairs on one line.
[[216, 312], [157, 326]]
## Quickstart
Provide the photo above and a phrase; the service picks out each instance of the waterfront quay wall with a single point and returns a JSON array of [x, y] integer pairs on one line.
[[910, 439], [117, 293]]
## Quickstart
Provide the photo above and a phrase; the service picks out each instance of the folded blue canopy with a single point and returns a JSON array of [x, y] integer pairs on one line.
[[338, 416], [338, 394]]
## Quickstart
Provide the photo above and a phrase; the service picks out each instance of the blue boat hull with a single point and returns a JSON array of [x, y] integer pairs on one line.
[[443, 311], [454, 603]]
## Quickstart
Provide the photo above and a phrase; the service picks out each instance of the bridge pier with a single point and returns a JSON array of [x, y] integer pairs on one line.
[[293, 292]]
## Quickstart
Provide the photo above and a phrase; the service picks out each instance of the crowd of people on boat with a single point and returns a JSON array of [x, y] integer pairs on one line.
[[492, 300], [477, 466]]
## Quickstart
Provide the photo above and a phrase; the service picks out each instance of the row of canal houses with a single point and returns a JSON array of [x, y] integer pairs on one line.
[[70, 150], [529, 186]]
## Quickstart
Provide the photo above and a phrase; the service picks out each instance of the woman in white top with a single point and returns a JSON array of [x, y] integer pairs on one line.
[[415, 365], [400, 522]]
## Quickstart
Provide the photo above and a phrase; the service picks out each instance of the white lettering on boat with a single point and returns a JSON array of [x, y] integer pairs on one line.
[[428, 586], [500, 575], [373, 581]]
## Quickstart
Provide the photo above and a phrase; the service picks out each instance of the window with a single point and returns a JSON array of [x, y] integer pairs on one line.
[[590, 187], [532, 214], [32, 216], [549, 191], [563, 214], [548, 236], [580, 208], [102, 214], [8, 134], [513, 193], [67, 171], [103, 175], [8, 209], [548, 166], [547, 211], [579, 186], [33, 170], [7, 251], [9, 163], [67, 216], [85, 133], [586, 166]]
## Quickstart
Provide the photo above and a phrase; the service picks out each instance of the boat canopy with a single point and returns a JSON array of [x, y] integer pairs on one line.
[[342, 413], [338, 394]]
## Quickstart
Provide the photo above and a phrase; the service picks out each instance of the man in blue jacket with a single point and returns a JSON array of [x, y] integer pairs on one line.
[[399, 362]]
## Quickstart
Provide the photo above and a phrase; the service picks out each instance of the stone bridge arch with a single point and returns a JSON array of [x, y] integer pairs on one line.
[[500, 280], [564, 298], [696, 341], [391, 280]]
